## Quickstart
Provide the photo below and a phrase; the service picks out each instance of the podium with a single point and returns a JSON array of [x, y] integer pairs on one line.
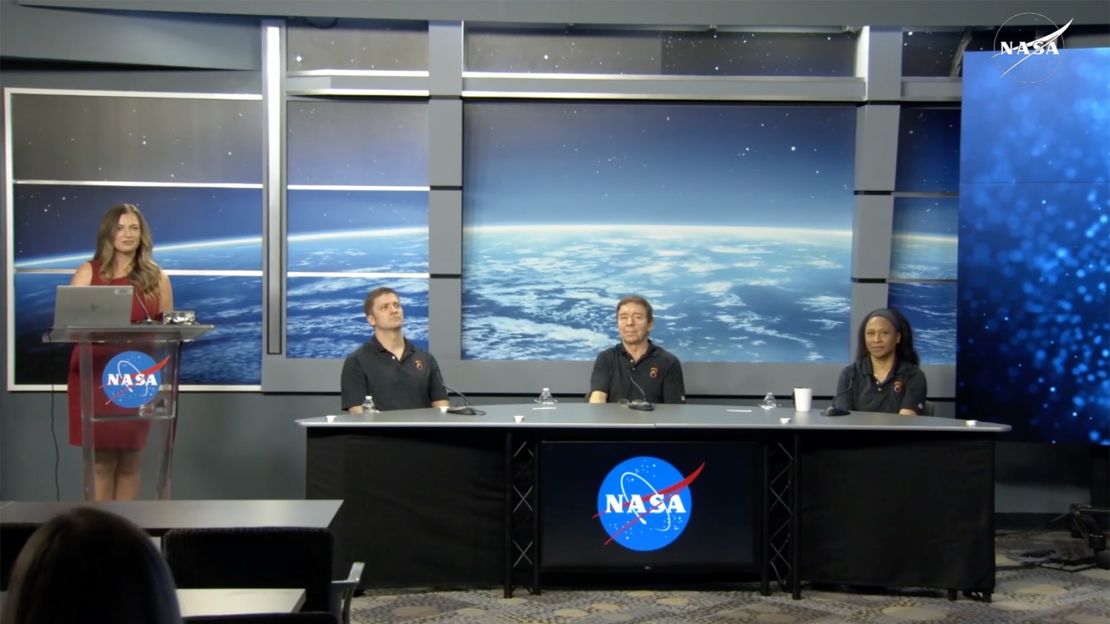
[[128, 395]]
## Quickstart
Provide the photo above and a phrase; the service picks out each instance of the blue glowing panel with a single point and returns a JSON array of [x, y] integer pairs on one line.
[[230, 354], [931, 311], [1034, 315], [325, 317], [924, 243], [359, 231], [216, 228], [1050, 131], [734, 221], [928, 150]]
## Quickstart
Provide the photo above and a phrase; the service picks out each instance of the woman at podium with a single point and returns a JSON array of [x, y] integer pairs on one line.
[[122, 258]]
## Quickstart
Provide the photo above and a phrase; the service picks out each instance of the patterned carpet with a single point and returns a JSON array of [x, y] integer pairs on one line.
[[1031, 587]]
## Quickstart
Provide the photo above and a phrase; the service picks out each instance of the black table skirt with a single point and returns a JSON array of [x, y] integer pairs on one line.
[[898, 510], [421, 509]]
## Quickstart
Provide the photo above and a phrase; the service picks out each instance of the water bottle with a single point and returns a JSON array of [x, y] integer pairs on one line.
[[368, 406], [545, 397], [769, 401]]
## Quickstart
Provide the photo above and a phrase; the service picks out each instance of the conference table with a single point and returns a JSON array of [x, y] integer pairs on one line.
[[216, 602], [433, 497], [19, 518], [158, 516], [212, 602]]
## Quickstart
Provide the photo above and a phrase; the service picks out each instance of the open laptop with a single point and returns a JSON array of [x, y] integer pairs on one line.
[[93, 306]]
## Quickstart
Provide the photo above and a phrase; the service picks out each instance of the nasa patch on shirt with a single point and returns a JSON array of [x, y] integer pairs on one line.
[[899, 387]]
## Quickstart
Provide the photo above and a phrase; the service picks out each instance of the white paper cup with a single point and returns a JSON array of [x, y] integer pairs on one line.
[[331, 418], [518, 418], [803, 399]]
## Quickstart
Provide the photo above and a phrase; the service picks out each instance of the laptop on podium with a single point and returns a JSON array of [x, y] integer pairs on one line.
[[93, 306]]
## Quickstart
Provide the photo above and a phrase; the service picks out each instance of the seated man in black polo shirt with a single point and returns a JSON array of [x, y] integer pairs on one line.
[[397, 373], [636, 369]]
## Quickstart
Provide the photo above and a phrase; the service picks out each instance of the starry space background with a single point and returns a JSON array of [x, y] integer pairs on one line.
[[587, 50], [1034, 254]]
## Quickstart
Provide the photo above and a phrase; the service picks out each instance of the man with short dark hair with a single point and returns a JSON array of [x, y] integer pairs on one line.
[[397, 373], [636, 369]]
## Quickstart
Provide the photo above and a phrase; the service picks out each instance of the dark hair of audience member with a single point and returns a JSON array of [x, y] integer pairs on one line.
[[87, 566], [904, 351]]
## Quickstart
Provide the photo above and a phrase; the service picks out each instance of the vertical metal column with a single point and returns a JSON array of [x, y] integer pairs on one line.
[[521, 513], [780, 554]]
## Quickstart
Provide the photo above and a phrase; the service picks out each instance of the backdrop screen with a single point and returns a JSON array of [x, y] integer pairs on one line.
[[734, 221], [648, 506], [1033, 316]]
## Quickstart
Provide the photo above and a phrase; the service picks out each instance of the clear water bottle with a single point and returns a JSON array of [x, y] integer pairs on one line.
[[545, 397], [769, 401], [368, 406]]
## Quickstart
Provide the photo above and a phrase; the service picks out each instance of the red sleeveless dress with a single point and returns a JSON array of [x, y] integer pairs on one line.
[[122, 435]]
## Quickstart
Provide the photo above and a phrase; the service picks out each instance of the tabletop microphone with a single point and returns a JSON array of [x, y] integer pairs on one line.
[[641, 404], [462, 410], [833, 410]]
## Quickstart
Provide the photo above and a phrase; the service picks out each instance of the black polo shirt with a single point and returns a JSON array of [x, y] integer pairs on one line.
[[659, 373], [904, 388], [413, 381]]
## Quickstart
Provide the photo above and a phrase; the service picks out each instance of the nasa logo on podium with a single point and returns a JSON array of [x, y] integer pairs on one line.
[[132, 379], [645, 503]]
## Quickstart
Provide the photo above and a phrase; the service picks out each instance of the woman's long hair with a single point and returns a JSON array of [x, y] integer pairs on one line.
[[145, 274], [89, 565], [904, 350]]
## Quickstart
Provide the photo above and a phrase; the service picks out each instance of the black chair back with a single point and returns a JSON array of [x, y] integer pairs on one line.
[[278, 557], [12, 539]]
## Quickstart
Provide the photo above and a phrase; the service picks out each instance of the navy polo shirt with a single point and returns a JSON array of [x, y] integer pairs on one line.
[[904, 388], [659, 373], [414, 381]]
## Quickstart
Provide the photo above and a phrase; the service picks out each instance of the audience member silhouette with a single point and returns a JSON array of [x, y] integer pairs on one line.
[[90, 566]]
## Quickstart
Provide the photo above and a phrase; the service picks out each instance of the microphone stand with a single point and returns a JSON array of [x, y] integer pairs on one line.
[[462, 410], [643, 404], [833, 410], [465, 409]]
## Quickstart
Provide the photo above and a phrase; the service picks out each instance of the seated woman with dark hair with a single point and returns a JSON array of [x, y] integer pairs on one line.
[[885, 376], [89, 565]]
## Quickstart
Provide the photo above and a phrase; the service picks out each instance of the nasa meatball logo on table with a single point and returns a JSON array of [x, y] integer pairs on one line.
[[132, 379], [645, 503]]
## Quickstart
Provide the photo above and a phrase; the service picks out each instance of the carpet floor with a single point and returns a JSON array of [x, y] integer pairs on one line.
[[1035, 582]]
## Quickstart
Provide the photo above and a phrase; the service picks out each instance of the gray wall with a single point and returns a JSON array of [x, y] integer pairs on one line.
[[246, 445]]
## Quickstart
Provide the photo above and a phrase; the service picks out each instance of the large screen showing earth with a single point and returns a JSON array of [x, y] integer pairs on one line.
[[734, 221]]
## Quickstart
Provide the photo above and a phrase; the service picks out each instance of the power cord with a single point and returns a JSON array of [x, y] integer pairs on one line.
[[57, 454]]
